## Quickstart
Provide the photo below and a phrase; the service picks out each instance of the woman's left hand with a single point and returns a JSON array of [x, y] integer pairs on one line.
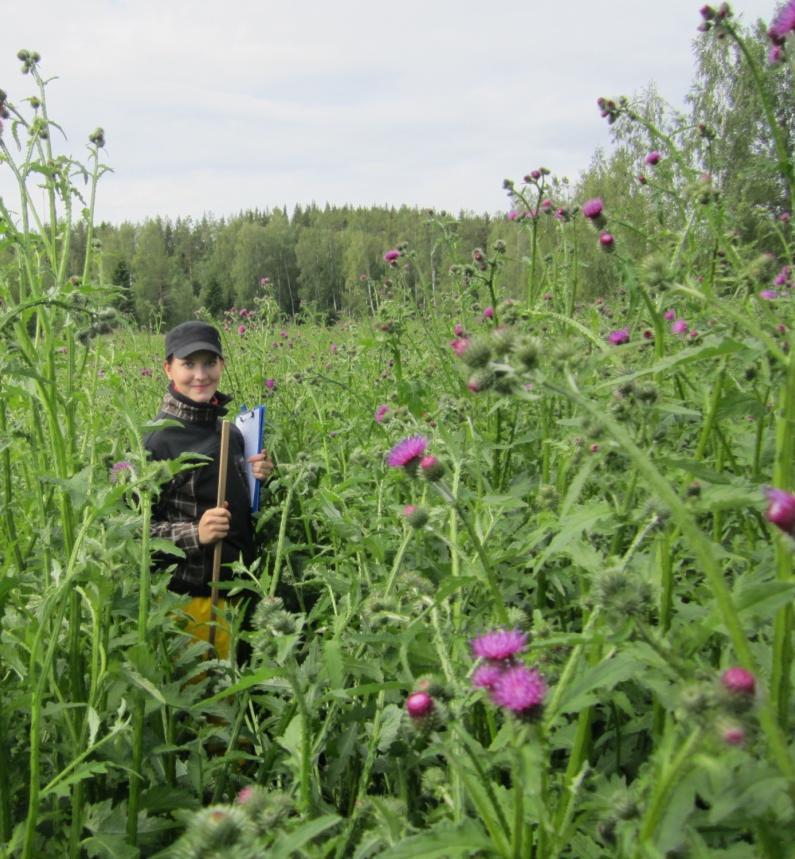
[[261, 465]]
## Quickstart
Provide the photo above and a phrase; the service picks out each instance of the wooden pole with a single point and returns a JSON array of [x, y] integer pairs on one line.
[[223, 461]]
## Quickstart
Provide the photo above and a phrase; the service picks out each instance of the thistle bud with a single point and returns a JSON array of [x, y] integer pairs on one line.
[[431, 469], [477, 354], [417, 517]]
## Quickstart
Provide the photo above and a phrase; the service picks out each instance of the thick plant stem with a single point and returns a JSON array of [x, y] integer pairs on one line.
[[144, 584], [780, 681]]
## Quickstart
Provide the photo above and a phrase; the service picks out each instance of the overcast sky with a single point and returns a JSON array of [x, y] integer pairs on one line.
[[221, 106]]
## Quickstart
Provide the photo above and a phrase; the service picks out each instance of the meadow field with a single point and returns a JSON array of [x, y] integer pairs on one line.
[[525, 581]]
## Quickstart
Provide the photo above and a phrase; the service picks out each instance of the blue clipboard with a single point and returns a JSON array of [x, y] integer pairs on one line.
[[251, 423]]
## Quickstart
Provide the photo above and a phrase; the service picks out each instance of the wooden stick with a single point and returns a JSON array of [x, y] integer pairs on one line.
[[223, 460]]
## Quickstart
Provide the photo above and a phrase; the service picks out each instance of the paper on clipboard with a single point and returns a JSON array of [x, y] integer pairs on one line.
[[251, 423]]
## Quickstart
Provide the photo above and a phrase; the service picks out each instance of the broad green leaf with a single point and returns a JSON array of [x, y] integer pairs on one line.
[[332, 657], [286, 846], [601, 677], [442, 841], [102, 846]]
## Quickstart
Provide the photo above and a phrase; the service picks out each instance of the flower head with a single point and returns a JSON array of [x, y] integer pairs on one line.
[[417, 517], [381, 412], [519, 689], [419, 705], [781, 510], [738, 681], [241, 329], [782, 277], [784, 23], [618, 337], [498, 645], [431, 468], [488, 313], [653, 158], [669, 315], [680, 327], [120, 470], [768, 294], [733, 735], [407, 453], [458, 330], [459, 345], [592, 208], [486, 675], [607, 241], [391, 255]]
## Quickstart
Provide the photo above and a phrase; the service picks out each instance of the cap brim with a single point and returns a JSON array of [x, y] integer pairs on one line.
[[197, 346]]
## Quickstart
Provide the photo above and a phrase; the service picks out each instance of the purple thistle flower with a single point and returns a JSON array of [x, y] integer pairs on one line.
[[680, 327], [653, 158], [391, 255], [733, 735], [618, 337], [781, 510], [592, 208], [669, 315], [419, 705], [119, 470], [768, 294], [607, 241], [519, 689], [783, 24], [775, 55], [407, 453], [738, 681], [498, 645], [458, 329], [270, 384], [488, 313], [784, 217], [512, 215], [486, 675], [381, 412], [782, 277], [459, 345]]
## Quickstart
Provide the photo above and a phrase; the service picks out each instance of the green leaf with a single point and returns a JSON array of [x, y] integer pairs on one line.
[[105, 846], [165, 547], [332, 656], [442, 841], [391, 719], [289, 843], [245, 682], [601, 677]]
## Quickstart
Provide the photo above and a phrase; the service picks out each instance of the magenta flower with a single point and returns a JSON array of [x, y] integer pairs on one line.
[[458, 329], [653, 158], [241, 329], [381, 412], [784, 23], [270, 384], [782, 277], [244, 795], [391, 255], [459, 345], [431, 468], [768, 294], [680, 327], [669, 315], [784, 217], [775, 55], [733, 735], [519, 689], [512, 215], [607, 241], [419, 705], [618, 337], [264, 281], [146, 371], [333, 348], [498, 645], [781, 510], [407, 453], [488, 313], [592, 209], [486, 675], [738, 681]]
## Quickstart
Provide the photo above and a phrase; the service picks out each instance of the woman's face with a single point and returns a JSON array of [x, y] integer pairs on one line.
[[197, 376]]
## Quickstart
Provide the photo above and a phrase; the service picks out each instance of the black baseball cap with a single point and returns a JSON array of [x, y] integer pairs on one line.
[[190, 337]]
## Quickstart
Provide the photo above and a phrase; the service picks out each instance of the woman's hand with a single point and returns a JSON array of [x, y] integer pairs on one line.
[[261, 465], [214, 524]]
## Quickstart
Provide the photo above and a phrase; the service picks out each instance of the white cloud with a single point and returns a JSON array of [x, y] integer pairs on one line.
[[212, 106]]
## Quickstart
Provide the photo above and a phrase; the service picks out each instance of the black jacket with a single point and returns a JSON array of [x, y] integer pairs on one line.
[[183, 500]]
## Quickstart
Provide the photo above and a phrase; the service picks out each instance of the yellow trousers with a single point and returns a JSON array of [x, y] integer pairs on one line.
[[199, 610]]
